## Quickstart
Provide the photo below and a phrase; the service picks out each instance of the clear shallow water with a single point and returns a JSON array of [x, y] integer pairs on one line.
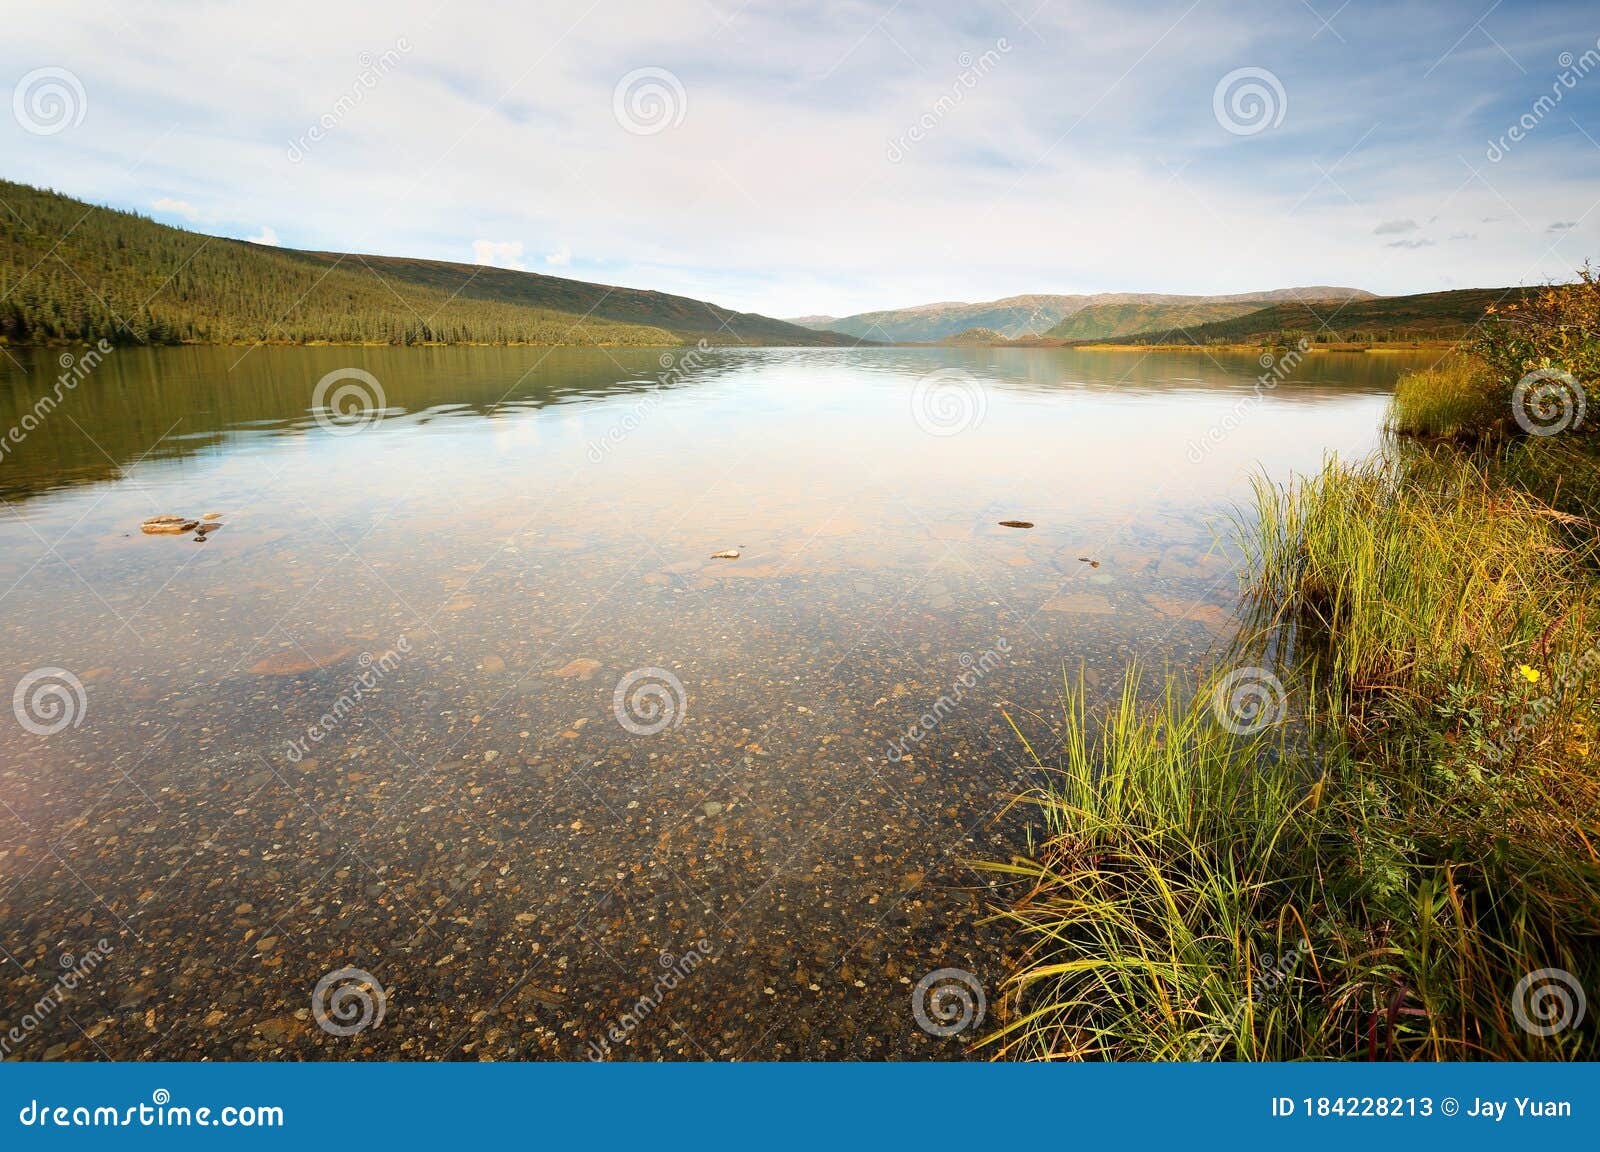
[[373, 721]]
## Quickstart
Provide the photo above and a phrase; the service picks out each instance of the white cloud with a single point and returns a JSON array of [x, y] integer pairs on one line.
[[498, 254], [176, 208], [267, 235], [559, 258]]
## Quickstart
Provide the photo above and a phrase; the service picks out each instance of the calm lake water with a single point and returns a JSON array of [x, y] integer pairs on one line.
[[457, 695]]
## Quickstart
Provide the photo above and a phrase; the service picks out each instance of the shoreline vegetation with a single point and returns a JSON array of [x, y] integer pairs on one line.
[[1442, 345], [1373, 832]]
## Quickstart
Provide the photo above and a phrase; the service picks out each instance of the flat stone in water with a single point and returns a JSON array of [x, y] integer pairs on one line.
[[1016, 523], [302, 658]]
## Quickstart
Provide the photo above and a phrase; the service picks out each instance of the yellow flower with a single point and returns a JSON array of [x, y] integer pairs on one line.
[[1531, 675]]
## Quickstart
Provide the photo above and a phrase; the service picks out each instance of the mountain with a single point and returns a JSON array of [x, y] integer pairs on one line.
[[1033, 315], [1013, 316], [1099, 321], [1424, 316], [76, 271]]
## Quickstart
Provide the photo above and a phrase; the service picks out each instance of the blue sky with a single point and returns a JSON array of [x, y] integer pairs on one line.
[[838, 157]]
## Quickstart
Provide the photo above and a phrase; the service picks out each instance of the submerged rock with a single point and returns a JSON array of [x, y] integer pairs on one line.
[[302, 658], [726, 554], [1016, 523], [583, 668]]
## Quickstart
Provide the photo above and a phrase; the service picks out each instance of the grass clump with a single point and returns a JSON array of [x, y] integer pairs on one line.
[[1175, 883], [1422, 572], [1428, 826], [1452, 400]]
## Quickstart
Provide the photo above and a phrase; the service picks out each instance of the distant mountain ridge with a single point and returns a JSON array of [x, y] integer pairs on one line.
[[1038, 314]]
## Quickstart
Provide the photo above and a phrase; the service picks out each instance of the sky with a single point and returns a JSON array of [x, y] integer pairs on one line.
[[836, 157]]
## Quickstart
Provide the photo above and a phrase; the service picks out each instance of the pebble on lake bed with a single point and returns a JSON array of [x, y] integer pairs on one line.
[[726, 554]]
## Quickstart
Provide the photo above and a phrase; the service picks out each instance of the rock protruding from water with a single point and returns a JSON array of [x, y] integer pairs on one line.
[[170, 525]]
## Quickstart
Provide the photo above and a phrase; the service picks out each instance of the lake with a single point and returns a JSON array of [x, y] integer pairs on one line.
[[457, 694]]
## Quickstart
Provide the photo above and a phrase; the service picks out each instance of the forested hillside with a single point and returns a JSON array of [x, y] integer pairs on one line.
[[75, 271], [1425, 316]]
